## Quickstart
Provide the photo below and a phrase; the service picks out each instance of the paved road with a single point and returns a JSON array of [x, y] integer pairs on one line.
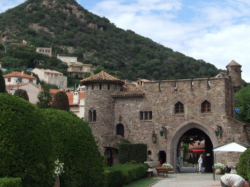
[[189, 180]]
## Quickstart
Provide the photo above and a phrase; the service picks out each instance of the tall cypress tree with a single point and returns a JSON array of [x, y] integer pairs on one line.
[[2, 83]]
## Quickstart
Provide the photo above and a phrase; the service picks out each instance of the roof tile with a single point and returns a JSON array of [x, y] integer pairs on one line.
[[19, 75]]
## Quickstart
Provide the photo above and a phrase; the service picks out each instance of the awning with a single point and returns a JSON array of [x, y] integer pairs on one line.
[[197, 150], [231, 147]]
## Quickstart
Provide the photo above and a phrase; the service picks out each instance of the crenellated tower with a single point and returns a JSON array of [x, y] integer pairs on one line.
[[234, 71]]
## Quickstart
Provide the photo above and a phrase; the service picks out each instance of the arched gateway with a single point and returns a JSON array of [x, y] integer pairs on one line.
[[177, 135]]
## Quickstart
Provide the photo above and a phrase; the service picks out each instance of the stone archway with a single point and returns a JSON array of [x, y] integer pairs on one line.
[[177, 134]]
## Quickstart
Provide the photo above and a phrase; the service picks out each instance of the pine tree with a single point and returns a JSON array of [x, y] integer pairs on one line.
[[61, 101], [44, 97], [22, 93], [2, 83]]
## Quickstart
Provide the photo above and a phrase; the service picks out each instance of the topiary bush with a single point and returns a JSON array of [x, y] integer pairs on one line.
[[75, 146], [26, 150], [10, 182], [243, 163], [2, 83], [22, 93], [61, 101]]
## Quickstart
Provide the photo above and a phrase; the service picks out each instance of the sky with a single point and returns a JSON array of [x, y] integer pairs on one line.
[[215, 31]]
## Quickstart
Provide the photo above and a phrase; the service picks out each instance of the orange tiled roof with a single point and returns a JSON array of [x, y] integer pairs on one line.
[[7, 87], [71, 95], [102, 77], [19, 75], [54, 91], [127, 91], [233, 63]]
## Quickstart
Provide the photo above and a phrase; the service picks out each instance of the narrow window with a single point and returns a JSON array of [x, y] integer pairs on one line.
[[90, 116], [141, 115], [146, 115], [120, 130], [150, 115], [205, 107], [93, 86], [108, 86], [100, 86], [94, 116], [179, 108], [149, 152]]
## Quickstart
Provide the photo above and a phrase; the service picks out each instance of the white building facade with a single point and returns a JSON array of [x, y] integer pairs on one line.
[[52, 77], [15, 78]]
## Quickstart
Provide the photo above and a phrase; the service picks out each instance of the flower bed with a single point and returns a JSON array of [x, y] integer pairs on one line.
[[219, 166], [123, 174]]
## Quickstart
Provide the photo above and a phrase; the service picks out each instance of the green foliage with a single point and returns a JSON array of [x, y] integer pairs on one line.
[[73, 81], [113, 48], [44, 97], [25, 140], [87, 74], [22, 93], [61, 101], [10, 182], [243, 102], [193, 160], [98, 69], [122, 174], [129, 151], [75, 146], [105, 161], [243, 164], [2, 83], [185, 151]]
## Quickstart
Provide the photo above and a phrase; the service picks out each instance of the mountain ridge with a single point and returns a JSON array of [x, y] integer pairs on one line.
[[72, 30]]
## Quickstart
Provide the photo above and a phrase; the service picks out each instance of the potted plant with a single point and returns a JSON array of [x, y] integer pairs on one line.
[[219, 167], [167, 165], [58, 171]]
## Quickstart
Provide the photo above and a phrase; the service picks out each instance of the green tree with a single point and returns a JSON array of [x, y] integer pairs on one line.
[[243, 102], [87, 74], [185, 151], [98, 69], [44, 97], [61, 101], [22, 93], [2, 82]]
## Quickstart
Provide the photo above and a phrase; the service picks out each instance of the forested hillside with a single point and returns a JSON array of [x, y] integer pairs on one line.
[[69, 28]]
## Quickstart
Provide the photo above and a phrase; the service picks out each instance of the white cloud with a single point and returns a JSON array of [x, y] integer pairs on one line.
[[217, 33]]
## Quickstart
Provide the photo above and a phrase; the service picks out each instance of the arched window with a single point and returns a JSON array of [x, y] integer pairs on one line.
[[205, 107], [120, 130], [92, 115], [179, 108]]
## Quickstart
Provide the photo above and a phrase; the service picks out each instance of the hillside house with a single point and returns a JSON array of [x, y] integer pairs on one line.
[[52, 77], [19, 77], [44, 50]]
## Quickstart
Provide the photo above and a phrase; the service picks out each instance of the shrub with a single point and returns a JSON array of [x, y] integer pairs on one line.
[[2, 82], [122, 174], [22, 93], [75, 146], [61, 101], [10, 182], [136, 152], [26, 146], [242, 164]]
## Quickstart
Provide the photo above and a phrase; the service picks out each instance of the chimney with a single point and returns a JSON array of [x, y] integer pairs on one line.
[[22, 72], [75, 97], [31, 74]]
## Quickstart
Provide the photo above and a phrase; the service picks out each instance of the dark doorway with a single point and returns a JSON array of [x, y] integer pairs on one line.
[[120, 130], [108, 154], [162, 157], [206, 150]]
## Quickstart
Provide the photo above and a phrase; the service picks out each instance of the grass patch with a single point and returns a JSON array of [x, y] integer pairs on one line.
[[145, 182]]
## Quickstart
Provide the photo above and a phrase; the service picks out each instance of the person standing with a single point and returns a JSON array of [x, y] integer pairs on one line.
[[233, 180], [200, 161]]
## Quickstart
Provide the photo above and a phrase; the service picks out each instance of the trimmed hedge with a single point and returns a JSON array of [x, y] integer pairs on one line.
[[122, 174], [10, 182], [22, 93], [75, 146], [129, 151], [26, 147], [242, 169]]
